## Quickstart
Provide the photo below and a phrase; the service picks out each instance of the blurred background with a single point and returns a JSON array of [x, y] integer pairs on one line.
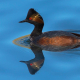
[[57, 15]]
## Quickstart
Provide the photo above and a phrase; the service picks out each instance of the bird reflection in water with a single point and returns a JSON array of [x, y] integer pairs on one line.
[[50, 41], [35, 64]]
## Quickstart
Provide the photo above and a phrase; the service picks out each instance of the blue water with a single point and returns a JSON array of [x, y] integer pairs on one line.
[[57, 15]]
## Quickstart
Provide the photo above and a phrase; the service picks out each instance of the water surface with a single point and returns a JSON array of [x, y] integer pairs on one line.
[[57, 15]]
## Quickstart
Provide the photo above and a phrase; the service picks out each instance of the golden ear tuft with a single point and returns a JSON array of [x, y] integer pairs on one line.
[[36, 18]]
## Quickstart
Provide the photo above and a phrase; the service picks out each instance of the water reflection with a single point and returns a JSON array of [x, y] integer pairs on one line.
[[35, 64]]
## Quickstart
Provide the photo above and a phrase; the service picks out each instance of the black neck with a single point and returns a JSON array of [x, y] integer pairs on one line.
[[37, 30]]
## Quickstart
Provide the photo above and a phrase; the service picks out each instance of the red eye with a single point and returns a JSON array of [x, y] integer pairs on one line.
[[30, 18], [31, 64]]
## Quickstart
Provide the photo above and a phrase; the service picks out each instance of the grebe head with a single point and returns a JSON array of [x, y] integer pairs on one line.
[[34, 18]]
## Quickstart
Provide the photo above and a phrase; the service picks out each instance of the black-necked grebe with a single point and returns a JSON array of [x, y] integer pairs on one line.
[[57, 39]]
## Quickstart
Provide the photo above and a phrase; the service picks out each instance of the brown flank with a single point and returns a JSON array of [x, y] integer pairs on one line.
[[58, 41]]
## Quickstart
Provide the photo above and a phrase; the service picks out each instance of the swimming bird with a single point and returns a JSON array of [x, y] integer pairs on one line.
[[51, 40]]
